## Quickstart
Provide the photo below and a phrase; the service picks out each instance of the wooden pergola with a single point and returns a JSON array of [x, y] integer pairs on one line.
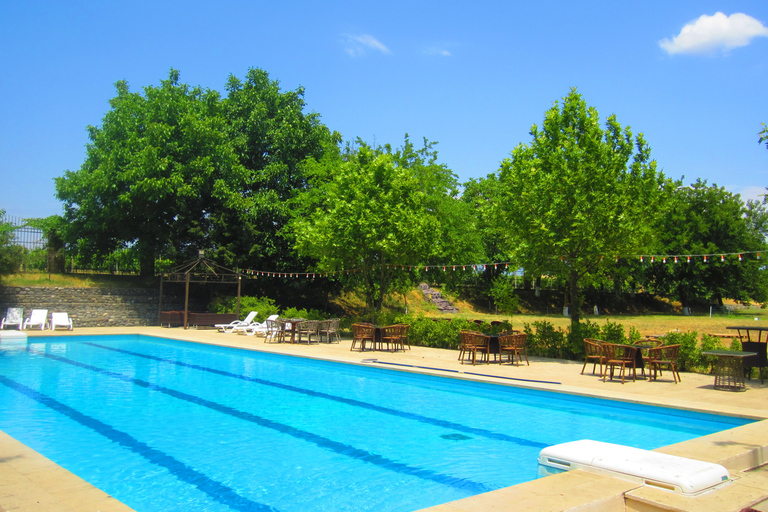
[[200, 270]]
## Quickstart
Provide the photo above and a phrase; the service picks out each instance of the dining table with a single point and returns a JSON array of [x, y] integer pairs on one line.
[[729, 370]]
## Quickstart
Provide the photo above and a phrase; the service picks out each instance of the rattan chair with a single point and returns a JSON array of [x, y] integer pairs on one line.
[[664, 357], [308, 328], [514, 346], [330, 328], [391, 335], [362, 334], [621, 356], [404, 335], [473, 342], [593, 350]]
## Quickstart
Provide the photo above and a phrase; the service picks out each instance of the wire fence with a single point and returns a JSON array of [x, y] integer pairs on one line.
[[24, 235]]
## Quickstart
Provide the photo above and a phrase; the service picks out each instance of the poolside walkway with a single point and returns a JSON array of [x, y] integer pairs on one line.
[[29, 481]]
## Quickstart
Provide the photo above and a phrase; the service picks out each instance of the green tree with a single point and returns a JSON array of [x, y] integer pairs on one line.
[[579, 195], [156, 169], [53, 229], [373, 211], [10, 254], [273, 137], [709, 220]]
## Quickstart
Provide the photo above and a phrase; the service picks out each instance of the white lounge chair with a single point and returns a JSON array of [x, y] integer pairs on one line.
[[61, 320], [37, 317], [14, 316], [231, 326], [257, 328]]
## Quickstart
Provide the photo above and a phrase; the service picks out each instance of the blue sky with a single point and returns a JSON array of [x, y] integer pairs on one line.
[[472, 77]]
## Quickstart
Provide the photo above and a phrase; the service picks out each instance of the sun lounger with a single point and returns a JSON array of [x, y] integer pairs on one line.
[[256, 327], [61, 320], [230, 327], [37, 317], [14, 316]]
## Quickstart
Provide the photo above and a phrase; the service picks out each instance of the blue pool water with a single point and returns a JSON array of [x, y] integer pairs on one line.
[[164, 425]]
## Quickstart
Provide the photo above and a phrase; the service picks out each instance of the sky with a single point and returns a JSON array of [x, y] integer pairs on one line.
[[690, 75]]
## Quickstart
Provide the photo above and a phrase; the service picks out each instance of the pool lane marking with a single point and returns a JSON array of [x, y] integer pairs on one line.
[[376, 361], [216, 490], [462, 484], [348, 401]]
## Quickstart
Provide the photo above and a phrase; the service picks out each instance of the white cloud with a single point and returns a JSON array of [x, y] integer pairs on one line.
[[709, 34], [356, 46], [435, 50]]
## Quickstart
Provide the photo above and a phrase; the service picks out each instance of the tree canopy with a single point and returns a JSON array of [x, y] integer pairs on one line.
[[177, 168], [709, 220], [372, 211], [579, 195]]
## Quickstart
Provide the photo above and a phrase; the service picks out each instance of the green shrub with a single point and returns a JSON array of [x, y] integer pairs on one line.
[[613, 333], [709, 343], [690, 353], [546, 341], [311, 314], [590, 329], [435, 333]]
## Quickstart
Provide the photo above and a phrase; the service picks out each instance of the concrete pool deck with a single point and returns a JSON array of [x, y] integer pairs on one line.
[[30, 482]]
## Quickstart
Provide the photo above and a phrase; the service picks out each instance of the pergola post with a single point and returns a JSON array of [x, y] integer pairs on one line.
[[186, 304]]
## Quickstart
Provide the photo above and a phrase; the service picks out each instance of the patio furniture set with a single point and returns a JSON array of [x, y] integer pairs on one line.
[[648, 352], [511, 343], [284, 330], [367, 336], [37, 318]]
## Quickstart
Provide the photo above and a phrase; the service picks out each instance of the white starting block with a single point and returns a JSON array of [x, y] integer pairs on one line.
[[688, 477]]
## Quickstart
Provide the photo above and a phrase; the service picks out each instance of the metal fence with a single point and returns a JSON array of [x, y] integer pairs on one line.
[[24, 235]]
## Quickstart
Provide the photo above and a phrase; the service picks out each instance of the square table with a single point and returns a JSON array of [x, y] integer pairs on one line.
[[729, 370]]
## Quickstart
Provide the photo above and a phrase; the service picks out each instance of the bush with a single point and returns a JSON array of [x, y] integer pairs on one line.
[[436, 334], [709, 343], [613, 333], [547, 341], [689, 358]]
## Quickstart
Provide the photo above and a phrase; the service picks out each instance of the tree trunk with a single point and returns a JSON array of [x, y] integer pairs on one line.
[[575, 304]]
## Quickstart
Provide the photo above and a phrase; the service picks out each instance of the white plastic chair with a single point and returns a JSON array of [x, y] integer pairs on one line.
[[37, 317], [256, 327], [61, 320], [14, 316]]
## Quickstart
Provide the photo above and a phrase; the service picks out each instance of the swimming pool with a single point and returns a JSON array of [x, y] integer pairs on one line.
[[166, 425]]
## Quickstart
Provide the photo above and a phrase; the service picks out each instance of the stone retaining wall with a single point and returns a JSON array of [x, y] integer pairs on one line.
[[94, 307]]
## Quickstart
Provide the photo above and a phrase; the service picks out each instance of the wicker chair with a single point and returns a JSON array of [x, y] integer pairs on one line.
[[392, 336], [666, 357], [308, 328], [406, 328], [473, 342], [330, 328], [362, 334], [594, 352], [514, 346], [622, 356]]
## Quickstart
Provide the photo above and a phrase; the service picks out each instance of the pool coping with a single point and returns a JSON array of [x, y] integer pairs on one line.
[[32, 480]]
